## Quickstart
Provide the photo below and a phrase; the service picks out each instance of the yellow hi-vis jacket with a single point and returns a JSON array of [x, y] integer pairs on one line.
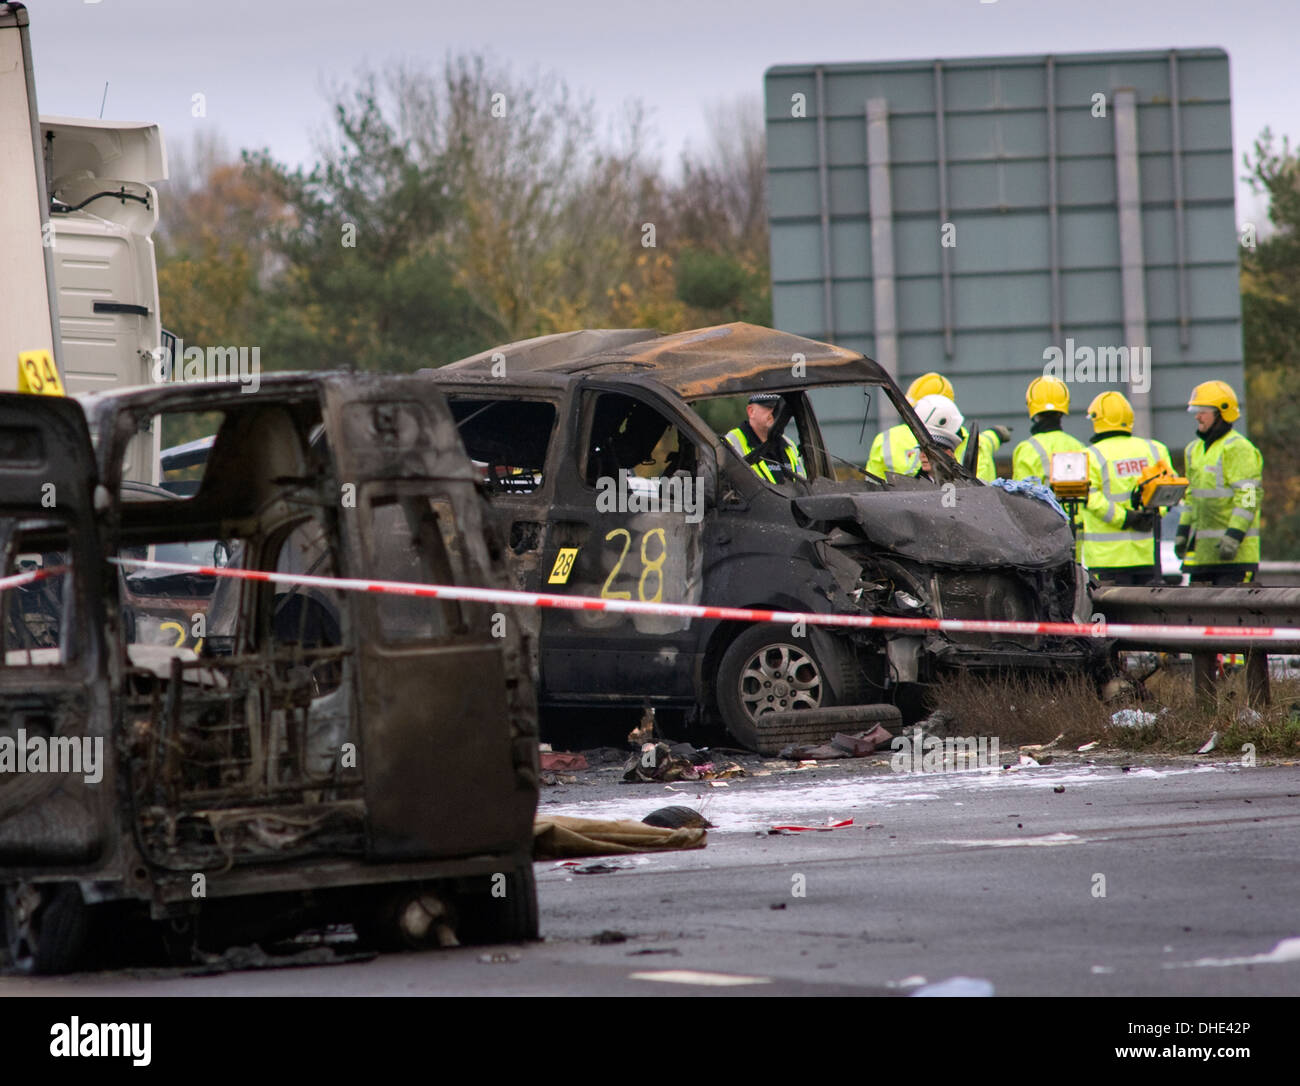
[[1224, 492], [1115, 464], [739, 441], [896, 450], [1033, 456]]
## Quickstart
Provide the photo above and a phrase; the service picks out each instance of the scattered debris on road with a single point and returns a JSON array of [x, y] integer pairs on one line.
[[677, 817], [831, 824], [676, 762], [558, 836], [556, 761]]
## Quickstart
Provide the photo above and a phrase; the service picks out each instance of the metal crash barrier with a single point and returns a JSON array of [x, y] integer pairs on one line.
[[1245, 606]]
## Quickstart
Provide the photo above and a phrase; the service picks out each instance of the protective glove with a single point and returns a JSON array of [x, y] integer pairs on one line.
[[1228, 547], [1139, 522], [1180, 541], [1003, 432]]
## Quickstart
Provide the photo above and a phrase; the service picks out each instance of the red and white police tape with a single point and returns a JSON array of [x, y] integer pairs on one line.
[[1130, 631], [16, 580]]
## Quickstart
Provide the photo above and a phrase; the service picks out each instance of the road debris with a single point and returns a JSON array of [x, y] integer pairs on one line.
[[608, 937], [677, 762], [842, 745], [831, 824], [1132, 718], [677, 817], [553, 761], [558, 836], [1088, 746], [1210, 743]]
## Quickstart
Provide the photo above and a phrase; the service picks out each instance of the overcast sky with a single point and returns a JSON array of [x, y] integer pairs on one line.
[[263, 65]]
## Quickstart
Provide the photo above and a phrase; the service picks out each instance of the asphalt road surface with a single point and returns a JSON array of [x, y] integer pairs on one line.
[[1165, 879]]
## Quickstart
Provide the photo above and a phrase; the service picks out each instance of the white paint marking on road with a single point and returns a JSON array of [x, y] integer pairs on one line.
[[1288, 950], [1011, 842], [956, 986], [690, 976], [754, 805]]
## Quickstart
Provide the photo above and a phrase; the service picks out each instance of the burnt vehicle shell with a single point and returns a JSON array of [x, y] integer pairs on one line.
[[531, 416], [356, 776]]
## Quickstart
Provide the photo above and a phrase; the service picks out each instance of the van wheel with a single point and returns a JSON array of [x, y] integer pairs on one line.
[[767, 670], [500, 908], [409, 916], [46, 927]]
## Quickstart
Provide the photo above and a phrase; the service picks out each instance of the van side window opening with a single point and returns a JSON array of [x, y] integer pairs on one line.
[[406, 544], [37, 621], [508, 440], [630, 435]]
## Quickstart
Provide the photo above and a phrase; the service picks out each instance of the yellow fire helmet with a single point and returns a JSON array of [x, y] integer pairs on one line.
[[1047, 394], [1111, 411], [1218, 395], [929, 384]]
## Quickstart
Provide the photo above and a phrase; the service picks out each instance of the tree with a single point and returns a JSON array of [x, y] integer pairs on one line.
[[1270, 304], [364, 282]]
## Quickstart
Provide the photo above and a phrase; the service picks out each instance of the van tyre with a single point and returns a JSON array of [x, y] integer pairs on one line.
[[769, 670], [46, 927], [510, 917]]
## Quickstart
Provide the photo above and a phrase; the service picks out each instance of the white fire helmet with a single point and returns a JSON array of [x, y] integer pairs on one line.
[[941, 418]]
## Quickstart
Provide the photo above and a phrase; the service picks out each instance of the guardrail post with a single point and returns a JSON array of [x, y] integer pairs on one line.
[[1258, 694], [1205, 678]]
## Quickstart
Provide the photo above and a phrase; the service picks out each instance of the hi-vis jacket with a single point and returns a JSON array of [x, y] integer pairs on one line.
[[1033, 456], [1224, 493], [1115, 464], [896, 450], [739, 440]]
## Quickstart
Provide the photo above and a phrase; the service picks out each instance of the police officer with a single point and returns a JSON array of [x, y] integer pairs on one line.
[[1218, 533], [760, 417], [1118, 546], [1048, 401], [896, 449]]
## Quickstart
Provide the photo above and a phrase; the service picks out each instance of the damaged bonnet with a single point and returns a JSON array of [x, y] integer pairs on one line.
[[983, 526]]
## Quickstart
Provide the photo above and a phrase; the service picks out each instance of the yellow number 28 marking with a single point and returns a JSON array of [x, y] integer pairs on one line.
[[656, 567], [563, 566], [38, 374], [649, 566], [606, 592]]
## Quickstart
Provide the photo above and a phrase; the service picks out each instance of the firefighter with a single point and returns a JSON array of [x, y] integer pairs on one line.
[[896, 449], [944, 421], [760, 417], [1047, 400], [1218, 533], [1118, 546]]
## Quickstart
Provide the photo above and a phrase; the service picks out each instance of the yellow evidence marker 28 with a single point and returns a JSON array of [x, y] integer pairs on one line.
[[563, 566], [38, 374]]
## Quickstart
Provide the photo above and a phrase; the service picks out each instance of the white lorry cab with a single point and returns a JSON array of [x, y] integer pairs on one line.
[[79, 308]]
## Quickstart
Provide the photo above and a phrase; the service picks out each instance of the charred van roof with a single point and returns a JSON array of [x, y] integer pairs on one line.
[[723, 360]]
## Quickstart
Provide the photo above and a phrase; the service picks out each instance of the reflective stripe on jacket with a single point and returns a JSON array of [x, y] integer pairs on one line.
[[1224, 493], [1114, 466], [738, 440], [895, 450], [1033, 456]]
